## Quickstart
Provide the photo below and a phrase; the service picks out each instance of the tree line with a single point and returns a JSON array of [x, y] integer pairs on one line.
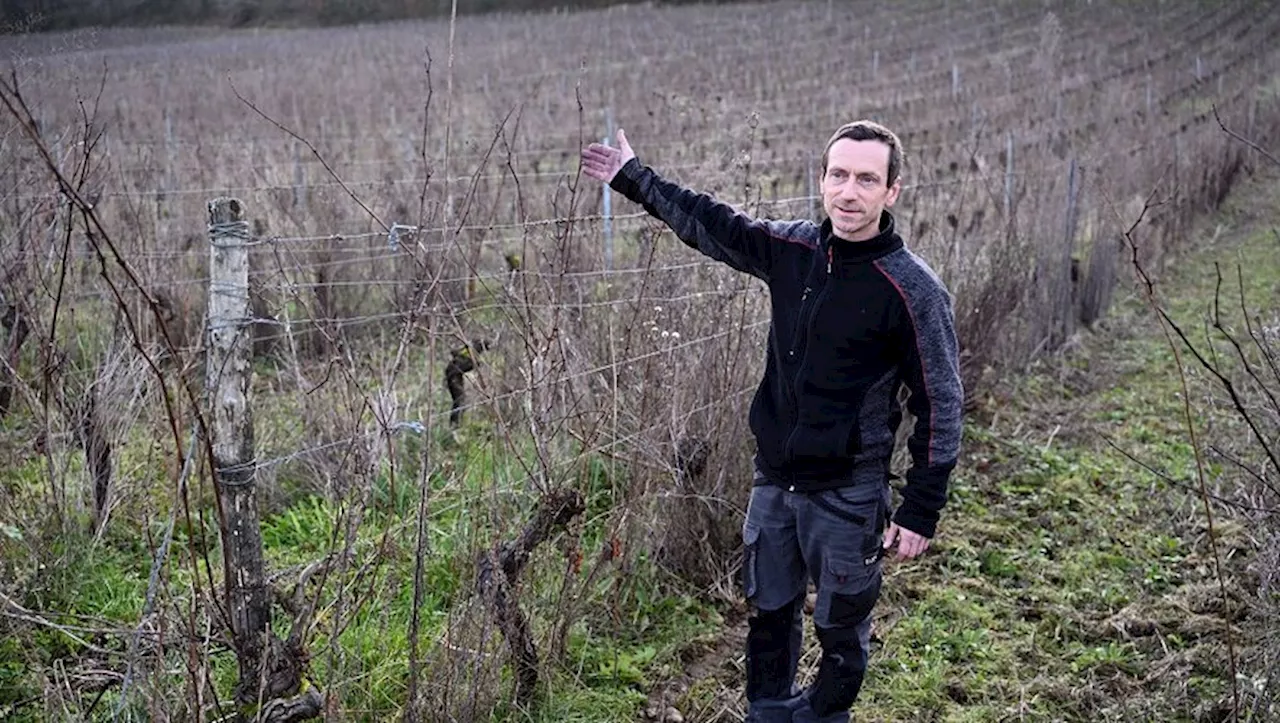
[[20, 16]]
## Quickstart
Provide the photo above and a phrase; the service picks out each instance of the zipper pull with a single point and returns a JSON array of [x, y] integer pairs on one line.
[[804, 295], [829, 257]]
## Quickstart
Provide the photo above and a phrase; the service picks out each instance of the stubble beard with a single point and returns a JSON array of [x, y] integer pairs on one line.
[[859, 233]]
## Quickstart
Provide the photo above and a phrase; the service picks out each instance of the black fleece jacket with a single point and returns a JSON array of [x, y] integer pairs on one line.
[[852, 324]]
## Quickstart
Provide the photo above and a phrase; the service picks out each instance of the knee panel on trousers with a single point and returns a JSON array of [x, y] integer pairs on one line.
[[844, 664], [773, 643], [844, 653]]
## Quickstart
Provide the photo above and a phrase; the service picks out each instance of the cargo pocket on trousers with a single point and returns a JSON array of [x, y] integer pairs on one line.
[[750, 560], [851, 591], [850, 610]]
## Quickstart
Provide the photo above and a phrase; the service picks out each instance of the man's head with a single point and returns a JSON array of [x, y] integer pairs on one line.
[[861, 166]]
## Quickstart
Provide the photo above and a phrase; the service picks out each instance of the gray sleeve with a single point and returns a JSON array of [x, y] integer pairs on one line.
[[931, 373]]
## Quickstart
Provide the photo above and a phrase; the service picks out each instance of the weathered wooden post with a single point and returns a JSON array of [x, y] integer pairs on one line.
[[1008, 176], [227, 378], [809, 180], [1065, 305], [15, 324], [271, 670], [299, 183]]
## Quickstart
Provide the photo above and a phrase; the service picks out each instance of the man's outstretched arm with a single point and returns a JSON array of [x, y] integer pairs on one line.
[[701, 222]]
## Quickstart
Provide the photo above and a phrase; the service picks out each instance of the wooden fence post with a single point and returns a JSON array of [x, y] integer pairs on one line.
[[227, 381], [271, 670], [810, 192], [299, 182], [16, 326], [1008, 176], [1065, 305]]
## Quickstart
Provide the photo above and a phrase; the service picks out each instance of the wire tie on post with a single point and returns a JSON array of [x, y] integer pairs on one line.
[[237, 475], [230, 229], [393, 236], [412, 426]]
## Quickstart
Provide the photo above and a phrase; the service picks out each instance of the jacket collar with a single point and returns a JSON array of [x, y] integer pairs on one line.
[[884, 243]]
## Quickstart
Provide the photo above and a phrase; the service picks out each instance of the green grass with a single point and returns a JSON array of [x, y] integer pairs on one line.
[[629, 631], [608, 663]]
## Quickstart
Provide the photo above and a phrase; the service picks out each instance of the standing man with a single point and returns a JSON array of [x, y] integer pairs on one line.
[[856, 317]]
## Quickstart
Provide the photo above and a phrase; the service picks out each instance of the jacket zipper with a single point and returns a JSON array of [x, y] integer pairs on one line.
[[802, 331], [795, 338], [801, 318]]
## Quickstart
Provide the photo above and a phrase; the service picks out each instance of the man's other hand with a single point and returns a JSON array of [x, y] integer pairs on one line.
[[603, 162], [909, 543]]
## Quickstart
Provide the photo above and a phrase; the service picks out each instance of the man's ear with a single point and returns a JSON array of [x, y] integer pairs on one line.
[[894, 190]]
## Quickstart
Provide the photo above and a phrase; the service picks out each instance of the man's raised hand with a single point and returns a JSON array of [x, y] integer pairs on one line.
[[603, 162]]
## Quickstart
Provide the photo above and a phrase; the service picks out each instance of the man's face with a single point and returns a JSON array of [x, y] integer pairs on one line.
[[854, 190]]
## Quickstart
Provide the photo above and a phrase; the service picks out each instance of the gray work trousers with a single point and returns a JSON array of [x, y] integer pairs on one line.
[[833, 538]]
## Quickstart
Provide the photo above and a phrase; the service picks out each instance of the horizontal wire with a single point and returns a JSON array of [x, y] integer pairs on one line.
[[444, 414]]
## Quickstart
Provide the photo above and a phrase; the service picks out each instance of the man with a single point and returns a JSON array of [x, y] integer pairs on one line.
[[855, 316]]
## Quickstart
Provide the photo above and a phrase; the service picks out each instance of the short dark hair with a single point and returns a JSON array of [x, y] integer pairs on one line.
[[865, 130]]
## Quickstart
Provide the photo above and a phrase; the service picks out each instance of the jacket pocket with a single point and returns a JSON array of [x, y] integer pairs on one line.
[[826, 441], [853, 440]]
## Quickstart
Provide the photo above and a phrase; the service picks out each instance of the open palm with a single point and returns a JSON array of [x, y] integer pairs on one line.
[[603, 162]]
